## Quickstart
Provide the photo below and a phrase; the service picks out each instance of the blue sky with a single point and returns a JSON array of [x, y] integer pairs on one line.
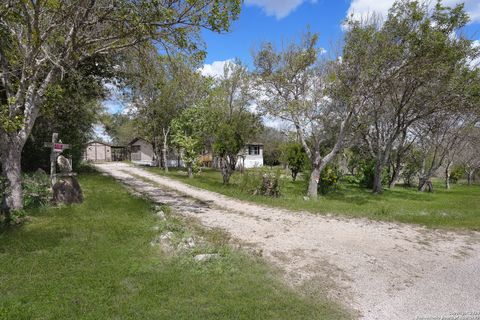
[[280, 21], [284, 20], [256, 26]]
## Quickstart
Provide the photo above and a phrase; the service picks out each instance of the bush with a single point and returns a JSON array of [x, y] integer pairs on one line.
[[295, 157], [329, 179], [457, 173], [351, 179], [366, 174], [269, 186], [261, 182], [36, 189]]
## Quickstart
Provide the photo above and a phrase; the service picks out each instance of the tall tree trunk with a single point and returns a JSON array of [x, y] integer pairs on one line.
[[470, 177], [396, 168], [165, 148], [190, 170], [425, 183], [318, 165], [447, 176], [394, 178], [377, 178], [313, 183], [11, 169], [227, 166], [225, 169], [158, 154]]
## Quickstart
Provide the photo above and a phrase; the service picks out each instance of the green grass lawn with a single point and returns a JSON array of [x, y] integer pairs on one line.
[[457, 208], [95, 261]]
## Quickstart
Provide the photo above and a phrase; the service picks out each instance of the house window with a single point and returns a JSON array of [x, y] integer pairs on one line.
[[253, 150], [135, 149]]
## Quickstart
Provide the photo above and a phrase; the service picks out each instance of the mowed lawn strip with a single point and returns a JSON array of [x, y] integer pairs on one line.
[[95, 261], [457, 208]]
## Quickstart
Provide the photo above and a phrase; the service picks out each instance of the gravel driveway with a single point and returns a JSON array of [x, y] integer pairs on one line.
[[381, 270]]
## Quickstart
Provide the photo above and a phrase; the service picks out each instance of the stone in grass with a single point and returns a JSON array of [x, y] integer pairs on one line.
[[161, 215], [206, 257], [188, 243], [166, 236], [163, 239]]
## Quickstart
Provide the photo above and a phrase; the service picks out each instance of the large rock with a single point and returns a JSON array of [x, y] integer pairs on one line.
[[63, 164], [67, 191]]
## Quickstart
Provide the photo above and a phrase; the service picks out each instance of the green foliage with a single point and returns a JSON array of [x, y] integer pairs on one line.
[[229, 139], [9, 123], [295, 157], [329, 178], [191, 148], [351, 179], [36, 190], [457, 173], [188, 130], [261, 181], [70, 108], [412, 166], [366, 174], [272, 140]]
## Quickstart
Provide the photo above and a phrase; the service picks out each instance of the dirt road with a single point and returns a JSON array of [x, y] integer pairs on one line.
[[382, 270]]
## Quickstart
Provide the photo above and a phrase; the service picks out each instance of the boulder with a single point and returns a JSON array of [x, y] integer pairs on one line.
[[67, 191], [206, 257], [63, 164]]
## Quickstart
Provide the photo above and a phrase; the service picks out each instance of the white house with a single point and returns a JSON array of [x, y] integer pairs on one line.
[[251, 156], [141, 152]]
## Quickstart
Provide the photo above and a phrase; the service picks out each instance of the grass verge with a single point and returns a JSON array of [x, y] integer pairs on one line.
[[96, 261], [457, 208]]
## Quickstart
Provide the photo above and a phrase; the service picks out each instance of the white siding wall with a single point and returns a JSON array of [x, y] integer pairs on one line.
[[145, 154], [251, 160]]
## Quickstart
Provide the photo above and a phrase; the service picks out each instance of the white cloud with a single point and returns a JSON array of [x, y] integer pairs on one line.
[[475, 63], [215, 69], [361, 8], [99, 133], [278, 8]]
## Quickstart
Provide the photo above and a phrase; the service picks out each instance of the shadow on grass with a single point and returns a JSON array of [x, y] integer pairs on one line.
[[21, 239]]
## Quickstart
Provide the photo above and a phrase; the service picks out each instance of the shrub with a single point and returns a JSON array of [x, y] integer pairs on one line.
[[328, 179], [295, 157], [351, 179], [269, 186], [457, 173], [36, 189], [366, 174], [261, 182]]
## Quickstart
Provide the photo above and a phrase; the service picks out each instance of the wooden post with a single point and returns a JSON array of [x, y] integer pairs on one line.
[[56, 147]]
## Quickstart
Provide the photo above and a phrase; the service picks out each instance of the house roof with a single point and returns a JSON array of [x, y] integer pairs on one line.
[[254, 144]]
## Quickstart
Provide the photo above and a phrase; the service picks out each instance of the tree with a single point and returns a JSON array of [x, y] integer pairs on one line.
[[295, 157], [439, 136], [77, 93], [234, 124], [469, 155], [160, 88], [412, 61], [272, 140], [120, 127], [294, 88], [188, 131], [41, 40]]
